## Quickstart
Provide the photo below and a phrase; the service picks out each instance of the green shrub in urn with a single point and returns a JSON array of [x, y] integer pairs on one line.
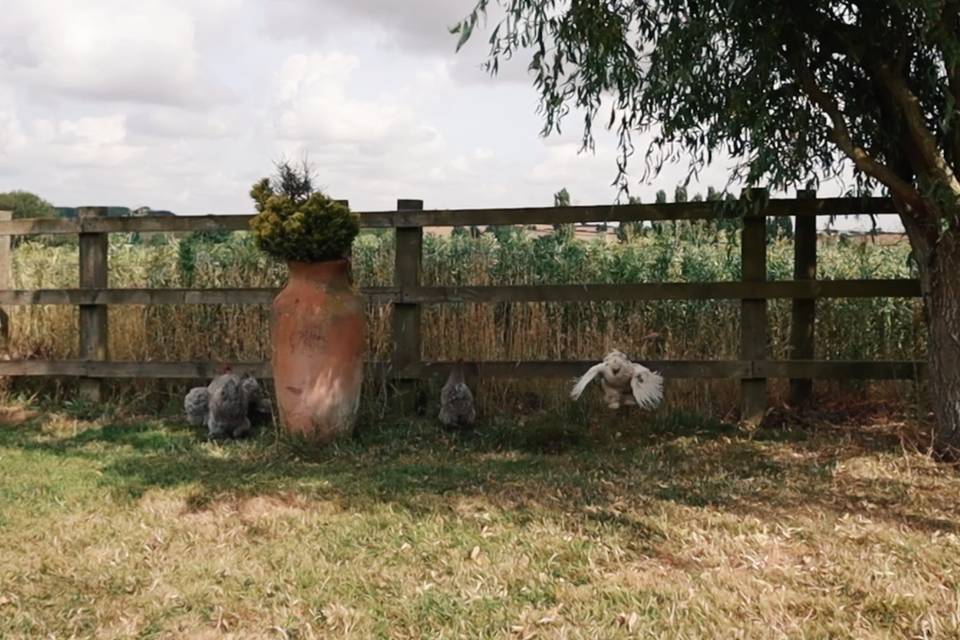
[[298, 224], [317, 329]]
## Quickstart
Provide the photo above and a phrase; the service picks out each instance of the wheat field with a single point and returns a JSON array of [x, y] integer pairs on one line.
[[855, 329]]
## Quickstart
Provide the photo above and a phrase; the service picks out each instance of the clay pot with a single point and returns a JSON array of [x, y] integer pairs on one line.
[[317, 327]]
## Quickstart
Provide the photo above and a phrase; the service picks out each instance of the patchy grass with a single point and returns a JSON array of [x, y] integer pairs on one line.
[[666, 527]]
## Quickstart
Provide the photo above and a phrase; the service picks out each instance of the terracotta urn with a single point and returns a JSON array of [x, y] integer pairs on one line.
[[317, 330]]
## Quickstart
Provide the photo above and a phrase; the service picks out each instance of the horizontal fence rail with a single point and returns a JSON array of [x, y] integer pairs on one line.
[[518, 293], [408, 295], [559, 369], [467, 217]]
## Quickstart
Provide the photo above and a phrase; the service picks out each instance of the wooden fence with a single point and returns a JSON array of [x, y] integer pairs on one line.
[[408, 296]]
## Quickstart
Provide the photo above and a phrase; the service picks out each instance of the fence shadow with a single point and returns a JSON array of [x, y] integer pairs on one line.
[[613, 472]]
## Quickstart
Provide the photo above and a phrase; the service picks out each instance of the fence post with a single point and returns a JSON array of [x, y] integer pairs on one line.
[[94, 248], [753, 315], [6, 279], [804, 313], [407, 339]]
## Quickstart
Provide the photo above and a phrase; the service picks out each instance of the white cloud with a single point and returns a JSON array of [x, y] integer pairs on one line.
[[142, 52], [109, 130], [316, 107], [85, 142], [180, 124], [411, 25], [483, 154], [12, 139]]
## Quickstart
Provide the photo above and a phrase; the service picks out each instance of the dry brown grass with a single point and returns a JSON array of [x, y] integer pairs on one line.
[[667, 527]]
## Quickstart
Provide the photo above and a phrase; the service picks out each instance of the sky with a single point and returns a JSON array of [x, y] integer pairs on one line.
[[184, 104]]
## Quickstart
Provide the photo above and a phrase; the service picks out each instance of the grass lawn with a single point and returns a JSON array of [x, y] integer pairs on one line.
[[647, 527]]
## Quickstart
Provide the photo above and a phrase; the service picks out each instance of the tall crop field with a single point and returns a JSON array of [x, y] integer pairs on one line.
[[846, 329]]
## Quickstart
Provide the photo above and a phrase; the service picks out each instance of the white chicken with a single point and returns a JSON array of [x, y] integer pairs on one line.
[[624, 382]]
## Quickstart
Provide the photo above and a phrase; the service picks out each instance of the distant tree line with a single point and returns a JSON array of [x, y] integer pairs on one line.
[[684, 230]]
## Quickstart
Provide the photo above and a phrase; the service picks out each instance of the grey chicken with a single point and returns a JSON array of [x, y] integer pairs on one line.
[[456, 400], [228, 406]]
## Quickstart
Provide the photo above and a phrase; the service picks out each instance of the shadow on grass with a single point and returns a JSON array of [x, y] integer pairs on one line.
[[601, 470]]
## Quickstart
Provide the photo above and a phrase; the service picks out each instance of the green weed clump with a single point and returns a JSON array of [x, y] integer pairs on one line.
[[296, 223]]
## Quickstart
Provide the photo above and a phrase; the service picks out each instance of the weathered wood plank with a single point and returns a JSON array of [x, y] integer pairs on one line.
[[696, 369], [455, 217], [569, 369], [137, 296], [196, 370], [753, 316], [145, 224], [803, 313], [252, 296], [94, 250], [840, 370], [407, 314], [666, 291], [129, 370], [521, 293], [622, 213], [671, 369], [6, 277]]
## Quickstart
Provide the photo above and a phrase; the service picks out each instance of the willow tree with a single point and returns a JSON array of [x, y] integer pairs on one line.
[[794, 90]]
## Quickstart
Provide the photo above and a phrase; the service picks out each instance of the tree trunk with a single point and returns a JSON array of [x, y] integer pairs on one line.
[[939, 266], [944, 345]]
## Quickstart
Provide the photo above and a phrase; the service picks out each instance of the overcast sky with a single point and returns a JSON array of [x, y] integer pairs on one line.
[[183, 104]]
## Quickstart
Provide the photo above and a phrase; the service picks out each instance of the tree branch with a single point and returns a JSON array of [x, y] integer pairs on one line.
[[919, 144], [840, 135], [953, 80], [913, 116], [945, 33]]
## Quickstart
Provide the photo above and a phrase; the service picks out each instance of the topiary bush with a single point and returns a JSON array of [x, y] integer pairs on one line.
[[298, 224]]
